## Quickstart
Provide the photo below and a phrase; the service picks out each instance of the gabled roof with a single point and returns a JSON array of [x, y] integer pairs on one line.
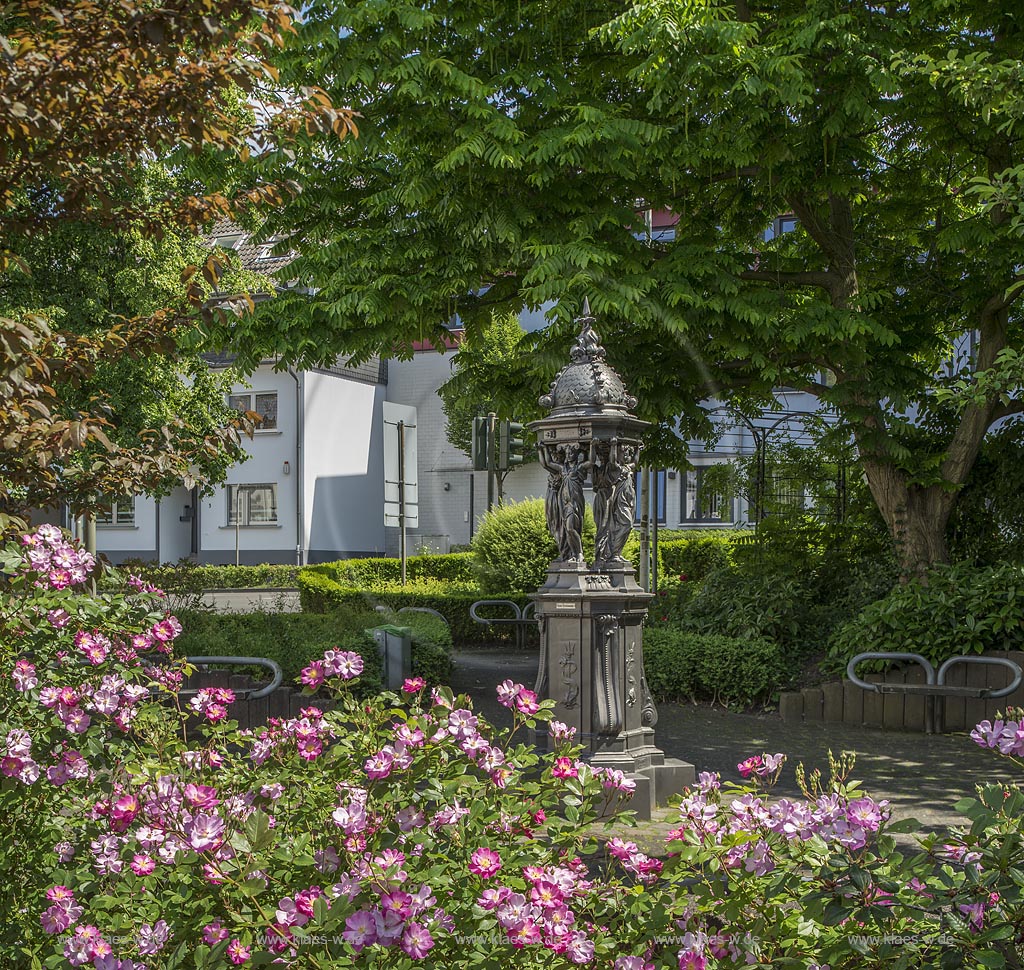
[[257, 257]]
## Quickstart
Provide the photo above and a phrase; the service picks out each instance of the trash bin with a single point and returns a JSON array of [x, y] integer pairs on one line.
[[394, 644]]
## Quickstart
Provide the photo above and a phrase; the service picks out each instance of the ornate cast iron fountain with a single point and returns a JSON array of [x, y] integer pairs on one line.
[[591, 615]]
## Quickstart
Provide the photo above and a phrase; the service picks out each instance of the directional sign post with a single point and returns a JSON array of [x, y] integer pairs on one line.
[[401, 478]]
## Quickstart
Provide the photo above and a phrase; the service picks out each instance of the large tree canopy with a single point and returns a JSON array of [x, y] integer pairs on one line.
[[509, 151], [87, 279], [97, 294]]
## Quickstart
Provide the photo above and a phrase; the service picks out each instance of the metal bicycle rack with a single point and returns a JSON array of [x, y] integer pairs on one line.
[[521, 619], [248, 693], [935, 682]]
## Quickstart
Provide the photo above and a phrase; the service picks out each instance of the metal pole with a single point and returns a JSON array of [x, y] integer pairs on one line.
[[760, 484], [490, 459], [472, 509], [237, 517], [644, 503], [401, 495], [655, 493], [90, 532]]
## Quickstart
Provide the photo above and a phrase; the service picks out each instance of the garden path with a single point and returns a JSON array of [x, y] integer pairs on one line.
[[251, 600], [921, 775]]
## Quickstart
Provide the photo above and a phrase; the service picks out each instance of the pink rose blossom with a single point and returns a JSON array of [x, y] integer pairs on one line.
[[526, 702], [152, 939], [750, 766], [564, 768], [214, 932], [313, 675], [166, 629], [59, 618], [507, 692], [379, 765], [342, 663], [60, 578], [485, 863], [360, 930], [205, 832], [24, 675], [142, 865], [416, 940]]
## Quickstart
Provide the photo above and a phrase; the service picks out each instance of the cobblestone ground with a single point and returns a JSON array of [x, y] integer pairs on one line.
[[922, 775]]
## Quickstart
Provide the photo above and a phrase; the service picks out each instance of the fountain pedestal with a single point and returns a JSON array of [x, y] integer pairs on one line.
[[591, 615]]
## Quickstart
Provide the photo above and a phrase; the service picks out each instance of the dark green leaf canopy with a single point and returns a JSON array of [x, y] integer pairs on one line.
[[508, 153]]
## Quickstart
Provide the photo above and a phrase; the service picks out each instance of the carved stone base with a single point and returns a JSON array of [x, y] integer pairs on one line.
[[565, 575], [657, 779], [591, 665]]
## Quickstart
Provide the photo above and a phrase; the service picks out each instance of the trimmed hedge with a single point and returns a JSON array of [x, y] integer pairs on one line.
[[190, 576], [698, 553], [704, 666], [375, 571], [320, 593], [296, 639]]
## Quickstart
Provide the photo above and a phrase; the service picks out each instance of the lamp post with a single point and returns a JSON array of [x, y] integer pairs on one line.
[[591, 615]]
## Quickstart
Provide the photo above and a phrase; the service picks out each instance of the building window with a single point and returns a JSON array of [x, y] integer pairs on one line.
[[252, 504], [659, 488], [264, 403], [780, 226], [120, 511], [701, 504]]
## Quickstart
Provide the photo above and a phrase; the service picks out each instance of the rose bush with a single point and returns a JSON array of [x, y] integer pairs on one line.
[[399, 830]]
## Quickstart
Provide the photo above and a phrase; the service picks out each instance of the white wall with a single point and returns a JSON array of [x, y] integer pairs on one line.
[[268, 450], [344, 468], [442, 512], [175, 535], [138, 541]]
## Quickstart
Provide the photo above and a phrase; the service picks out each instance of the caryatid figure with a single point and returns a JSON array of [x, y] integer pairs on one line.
[[564, 504], [614, 500]]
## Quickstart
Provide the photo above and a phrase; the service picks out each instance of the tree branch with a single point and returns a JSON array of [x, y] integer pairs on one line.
[[821, 278], [737, 173], [1006, 410]]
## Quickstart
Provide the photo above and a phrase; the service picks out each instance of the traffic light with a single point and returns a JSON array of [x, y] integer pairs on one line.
[[480, 445], [511, 445]]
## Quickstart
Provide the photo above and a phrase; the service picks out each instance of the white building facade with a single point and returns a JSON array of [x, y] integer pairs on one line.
[[310, 490]]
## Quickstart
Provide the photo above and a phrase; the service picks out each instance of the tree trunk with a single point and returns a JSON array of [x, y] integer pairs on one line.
[[916, 516]]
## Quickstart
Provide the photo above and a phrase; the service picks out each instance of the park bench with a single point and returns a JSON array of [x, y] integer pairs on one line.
[[935, 681]]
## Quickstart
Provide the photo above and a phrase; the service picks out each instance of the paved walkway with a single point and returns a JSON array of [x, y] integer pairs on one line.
[[251, 600], [922, 775]]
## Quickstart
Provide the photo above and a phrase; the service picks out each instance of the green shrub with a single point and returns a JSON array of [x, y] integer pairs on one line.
[[682, 665], [293, 640], [512, 548], [320, 593], [290, 639], [699, 553], [962, 609], [748, 606], [791, 582]]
